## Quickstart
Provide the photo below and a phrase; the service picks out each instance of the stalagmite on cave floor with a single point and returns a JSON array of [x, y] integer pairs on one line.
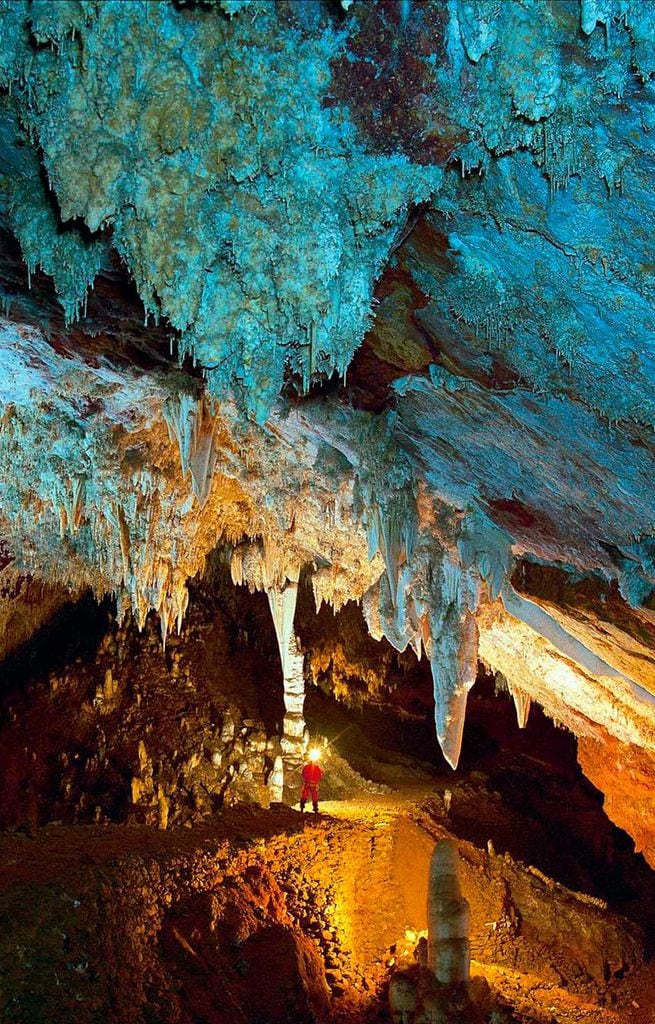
[[251, 915], [137, 887], [266, 916]]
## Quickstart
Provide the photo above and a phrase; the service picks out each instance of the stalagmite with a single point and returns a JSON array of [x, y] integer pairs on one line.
[[449, 952], [109, 686], [276, 780], [402, 999], [163, 807]]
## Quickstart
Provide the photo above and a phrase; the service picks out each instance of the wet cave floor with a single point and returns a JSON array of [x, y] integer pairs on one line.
[[269, 916]]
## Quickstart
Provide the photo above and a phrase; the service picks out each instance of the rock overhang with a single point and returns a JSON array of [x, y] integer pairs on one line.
[[258, 168]]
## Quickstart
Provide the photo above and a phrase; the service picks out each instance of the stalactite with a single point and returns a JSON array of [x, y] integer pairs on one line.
[[522, 703], [124, 540], [283, 608], [193, 426], [78, 485], [282, 603], [202, 458], [236, 566], [393, 531], [453, 654], [263, 567]]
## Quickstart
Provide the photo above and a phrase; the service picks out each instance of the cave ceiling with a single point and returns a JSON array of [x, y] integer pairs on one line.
[[364, 288]]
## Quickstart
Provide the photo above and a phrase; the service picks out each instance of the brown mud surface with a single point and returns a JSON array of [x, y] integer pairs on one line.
[[267, 916]]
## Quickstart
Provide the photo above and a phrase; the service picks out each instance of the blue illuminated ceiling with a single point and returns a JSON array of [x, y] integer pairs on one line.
[[402, 250]]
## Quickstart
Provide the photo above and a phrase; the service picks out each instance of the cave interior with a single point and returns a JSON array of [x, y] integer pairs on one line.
[[327, 364]]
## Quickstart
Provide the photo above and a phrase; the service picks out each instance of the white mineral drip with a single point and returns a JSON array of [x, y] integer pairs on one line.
[[283, 607], [538, 619], [181, 599], [252, 568], [272, 574], [202, 459], [276, 780], [236, 566], [451, 581], [192, 424], [75, 506], [454, 661], [389, 536], [522, 703], [164, 621], [181, 414]]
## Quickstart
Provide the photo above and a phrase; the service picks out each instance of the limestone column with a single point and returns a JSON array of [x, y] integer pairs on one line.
[[283, 606]]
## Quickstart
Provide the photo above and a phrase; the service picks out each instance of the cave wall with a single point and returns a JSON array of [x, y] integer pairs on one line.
[[359, 289], [100, 722]]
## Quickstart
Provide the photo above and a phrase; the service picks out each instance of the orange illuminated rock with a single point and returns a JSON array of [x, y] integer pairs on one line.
[[626, 776]]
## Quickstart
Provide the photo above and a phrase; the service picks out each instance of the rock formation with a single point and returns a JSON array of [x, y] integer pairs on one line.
[[360, 289], [449, 949], [413, 996]]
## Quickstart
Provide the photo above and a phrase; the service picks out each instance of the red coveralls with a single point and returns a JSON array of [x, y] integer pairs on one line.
[[312, 774]]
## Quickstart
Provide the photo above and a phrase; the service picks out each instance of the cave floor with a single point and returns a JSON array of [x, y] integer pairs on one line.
[[132, 924]]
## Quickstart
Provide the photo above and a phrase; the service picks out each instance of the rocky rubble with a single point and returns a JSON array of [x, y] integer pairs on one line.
[[270, 917], [136, 733]]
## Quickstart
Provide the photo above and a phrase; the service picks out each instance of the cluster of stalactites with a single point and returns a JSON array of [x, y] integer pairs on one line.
[[430, 592], [262, 565], [226, 278], [193, 425], [150, 580], [522, 699], [336, 583], [433, 608], [126, 540]]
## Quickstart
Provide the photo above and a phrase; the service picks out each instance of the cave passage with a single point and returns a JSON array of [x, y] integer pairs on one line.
[[164, 754], [521, 789], [327, 423]]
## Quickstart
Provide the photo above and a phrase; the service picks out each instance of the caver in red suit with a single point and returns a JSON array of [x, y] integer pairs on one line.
[[312, 774]]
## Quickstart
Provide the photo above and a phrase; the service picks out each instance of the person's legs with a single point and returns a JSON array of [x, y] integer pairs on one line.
[[304, 796]]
